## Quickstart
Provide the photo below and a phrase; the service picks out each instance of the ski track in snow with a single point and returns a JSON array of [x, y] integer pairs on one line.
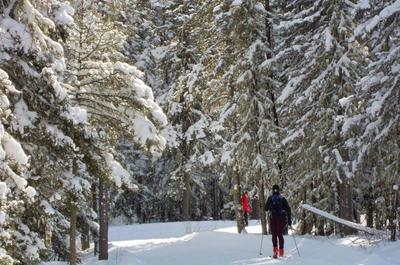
[[217, 243]]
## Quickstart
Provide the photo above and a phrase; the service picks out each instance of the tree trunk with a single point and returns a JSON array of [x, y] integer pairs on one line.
[[370, 214], [378, 220], [275, 117], [345, 206], [215, 200], [303, 227], [393, 215], [73, 221], [255, 205], [103, 219], [162, 210], [72, 235], [185, 115], [95, 208], [85, 236], [186, 197], [317, 221], [138, 210], [236, 201], [47, 234], [369, 200], [261, 204], [221, 202]]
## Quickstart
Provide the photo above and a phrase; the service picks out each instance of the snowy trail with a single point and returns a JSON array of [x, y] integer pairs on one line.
[[216, 243]]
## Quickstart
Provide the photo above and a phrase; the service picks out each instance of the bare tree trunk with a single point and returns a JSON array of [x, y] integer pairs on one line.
[[186, 197], [48, 234], [85, 236], [72, 235], [370, 214], [303, 227], [393, 215], [378, 220], [103, 219], [259, 177], [162, 212], [215, 200], [185, 114], [95, 208], [236, 201], [345, 206], [221, 202], [316, 220], [255, 205], [321, 225], [261, 204], [369, 200], [73, 210]]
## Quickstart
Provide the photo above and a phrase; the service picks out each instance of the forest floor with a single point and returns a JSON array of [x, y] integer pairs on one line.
[[217, 243]]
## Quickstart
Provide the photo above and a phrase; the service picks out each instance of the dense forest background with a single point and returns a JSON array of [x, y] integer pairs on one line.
[[132, 111]]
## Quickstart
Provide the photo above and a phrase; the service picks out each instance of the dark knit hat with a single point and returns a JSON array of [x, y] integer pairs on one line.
[[275, 188]]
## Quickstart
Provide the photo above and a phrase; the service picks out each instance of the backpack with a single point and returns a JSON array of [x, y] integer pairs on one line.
[[277, 207]]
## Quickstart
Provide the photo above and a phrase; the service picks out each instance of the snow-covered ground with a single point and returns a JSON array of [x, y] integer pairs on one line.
[[217, 243]]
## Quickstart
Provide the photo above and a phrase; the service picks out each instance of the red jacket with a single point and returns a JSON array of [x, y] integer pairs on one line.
[[245, 203]]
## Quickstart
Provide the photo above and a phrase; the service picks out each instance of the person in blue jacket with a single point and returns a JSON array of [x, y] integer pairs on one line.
[[280, 215]]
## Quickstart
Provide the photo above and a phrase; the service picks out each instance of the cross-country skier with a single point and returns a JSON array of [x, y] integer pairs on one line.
[[280, 215], [246, 207]]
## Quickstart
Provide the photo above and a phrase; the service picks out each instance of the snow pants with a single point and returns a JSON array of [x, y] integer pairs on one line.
[[277, 226], [246, 218]]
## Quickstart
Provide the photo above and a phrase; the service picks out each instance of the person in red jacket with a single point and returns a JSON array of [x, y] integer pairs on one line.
[[244, 199]]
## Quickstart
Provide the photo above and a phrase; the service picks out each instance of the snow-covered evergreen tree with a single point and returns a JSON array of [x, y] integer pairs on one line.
[[119, 103], [243, 83], [372, 125], [15, 194], [42, 115], [103, 82], [321, 68]]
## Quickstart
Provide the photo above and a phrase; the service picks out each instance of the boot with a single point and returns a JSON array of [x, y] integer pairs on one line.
[[275, 256], [281, 252]]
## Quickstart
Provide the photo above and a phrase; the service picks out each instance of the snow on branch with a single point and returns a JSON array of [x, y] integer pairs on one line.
[[299, 21], [64, 14], [14, 150], [334, 218], [371, 24], [119, 174]]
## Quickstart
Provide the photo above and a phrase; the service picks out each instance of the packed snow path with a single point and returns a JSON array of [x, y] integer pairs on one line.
[[216, 243]]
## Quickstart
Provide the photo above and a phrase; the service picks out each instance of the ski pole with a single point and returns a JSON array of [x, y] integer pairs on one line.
[[298, 252], [262, 238]]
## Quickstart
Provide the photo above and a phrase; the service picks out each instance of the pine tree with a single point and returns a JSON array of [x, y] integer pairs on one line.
[[372, 124], [42, 116], [14, 190], [321, 69], [120, 105]]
